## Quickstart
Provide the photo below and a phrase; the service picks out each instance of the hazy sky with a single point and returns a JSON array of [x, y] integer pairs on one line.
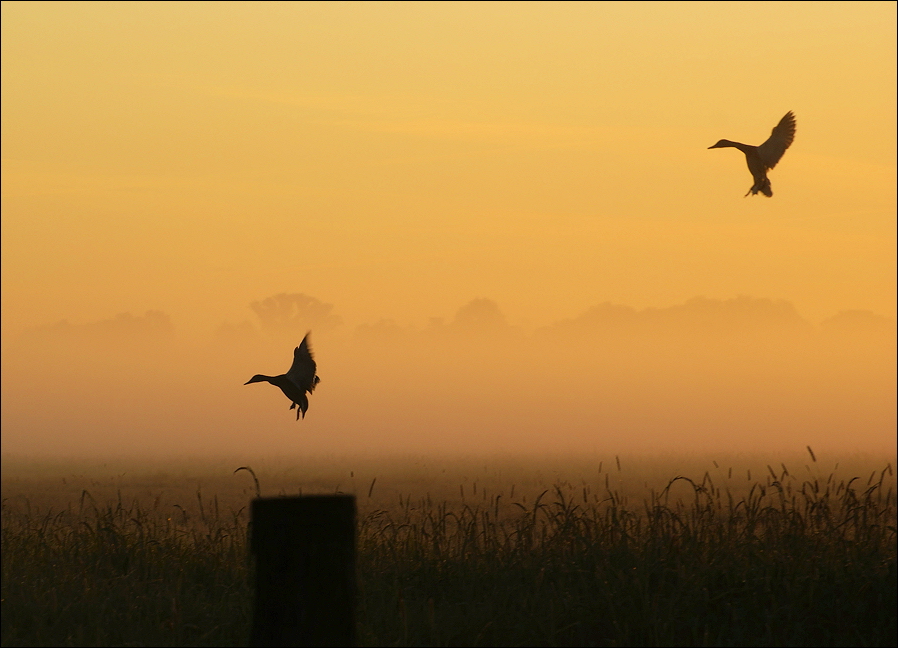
[[399, 160]]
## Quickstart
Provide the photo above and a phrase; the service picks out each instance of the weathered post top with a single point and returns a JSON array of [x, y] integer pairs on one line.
[[305, 570]]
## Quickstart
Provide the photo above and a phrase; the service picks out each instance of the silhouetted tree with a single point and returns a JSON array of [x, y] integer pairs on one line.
[[384, 331], [294, 312], [480, 315], [698, 315]]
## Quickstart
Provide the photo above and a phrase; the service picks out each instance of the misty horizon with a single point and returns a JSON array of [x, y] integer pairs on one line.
[[290, 313], [703, 375]]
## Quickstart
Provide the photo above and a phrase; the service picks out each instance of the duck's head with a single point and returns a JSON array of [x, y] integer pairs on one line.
[[722, 144], [256, 378]]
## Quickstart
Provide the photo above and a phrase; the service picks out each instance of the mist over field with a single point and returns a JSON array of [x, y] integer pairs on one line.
[[708, 375]]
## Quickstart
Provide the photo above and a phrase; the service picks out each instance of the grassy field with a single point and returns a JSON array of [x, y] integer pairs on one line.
[[497, 551]]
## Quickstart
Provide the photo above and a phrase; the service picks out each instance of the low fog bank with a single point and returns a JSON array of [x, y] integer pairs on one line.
[[383, 481], [706, 376]]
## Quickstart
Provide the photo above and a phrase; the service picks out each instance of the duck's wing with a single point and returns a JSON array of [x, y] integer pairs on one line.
[[302, 371], [780, 139]]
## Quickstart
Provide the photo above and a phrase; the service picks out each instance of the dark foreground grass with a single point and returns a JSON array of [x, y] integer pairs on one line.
[[788, 562]]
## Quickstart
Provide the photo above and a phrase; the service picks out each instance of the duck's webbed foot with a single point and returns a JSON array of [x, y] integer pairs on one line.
[[761, 186], [298, 410]]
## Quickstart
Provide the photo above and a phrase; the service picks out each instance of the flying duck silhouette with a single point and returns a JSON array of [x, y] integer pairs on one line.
[[764, 157], [298, 380]]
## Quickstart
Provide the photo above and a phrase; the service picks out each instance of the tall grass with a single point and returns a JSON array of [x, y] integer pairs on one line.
[[802, 560], [122, 574]]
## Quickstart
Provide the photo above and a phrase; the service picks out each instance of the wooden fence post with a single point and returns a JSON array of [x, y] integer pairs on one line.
[[305, 570]]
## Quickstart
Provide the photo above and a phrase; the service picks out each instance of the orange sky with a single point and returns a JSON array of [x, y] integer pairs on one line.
[[399, 160]]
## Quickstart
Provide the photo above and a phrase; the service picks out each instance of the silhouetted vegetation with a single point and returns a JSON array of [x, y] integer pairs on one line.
[[294, 313], [780, 560], [151, 325]]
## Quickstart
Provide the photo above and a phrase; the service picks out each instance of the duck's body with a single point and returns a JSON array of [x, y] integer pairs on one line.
[[762, 158], [298, 380]]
